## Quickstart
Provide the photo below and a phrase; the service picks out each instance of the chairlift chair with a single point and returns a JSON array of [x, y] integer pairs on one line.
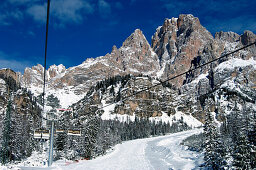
[[74, 132], [41, 134], [60, 131]]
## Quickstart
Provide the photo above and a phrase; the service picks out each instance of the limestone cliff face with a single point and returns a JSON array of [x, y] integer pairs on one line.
[[33, 76], [156, 102], [227, 36], [177, 42], [22, 100], [183, 43], [10, 78], [231, 41]]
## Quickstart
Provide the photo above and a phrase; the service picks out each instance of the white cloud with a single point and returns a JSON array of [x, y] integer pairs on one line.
[[8, 61], [245, 23], [104, 9], [215, 15], [31, 33], [62, 12], [3, 18], [71, 11], [17, 66], [6, 16], [19, 2], [38, 12]]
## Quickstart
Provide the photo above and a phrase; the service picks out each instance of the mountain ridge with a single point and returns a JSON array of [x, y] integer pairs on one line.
[[178, 45]]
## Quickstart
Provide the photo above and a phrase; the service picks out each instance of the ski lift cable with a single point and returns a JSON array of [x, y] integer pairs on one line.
[[45, 49], [181, 74]]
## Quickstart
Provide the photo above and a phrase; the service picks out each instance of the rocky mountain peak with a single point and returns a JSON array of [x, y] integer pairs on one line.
[[227, 36], [177, 42], [136, 40], [248, 37], [165, 34], [34, 75], [114, 50], [137, 56], [38, 68], [187, 20], [56, 70]]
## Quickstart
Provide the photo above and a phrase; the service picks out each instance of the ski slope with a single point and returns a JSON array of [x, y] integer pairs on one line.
[[156, 153]]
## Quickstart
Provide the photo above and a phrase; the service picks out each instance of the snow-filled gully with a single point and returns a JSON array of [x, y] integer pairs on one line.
[[156, 153]]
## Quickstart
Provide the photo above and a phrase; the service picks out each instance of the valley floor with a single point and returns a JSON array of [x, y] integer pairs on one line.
[[163, 152]]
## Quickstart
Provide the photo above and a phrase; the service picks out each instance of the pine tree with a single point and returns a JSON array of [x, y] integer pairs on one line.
[[209, 133], [252, 140], [90, 130], [60, 145], [6, 149], [214, 155], [252, 136], [243, 148], [242, 153]]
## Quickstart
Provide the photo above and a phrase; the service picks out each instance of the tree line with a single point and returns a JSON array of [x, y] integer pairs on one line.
[[97, 135]]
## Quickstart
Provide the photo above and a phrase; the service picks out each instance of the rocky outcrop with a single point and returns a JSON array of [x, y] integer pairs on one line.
[[33, 76], [54, 70], [247, 38], [22, 100], [231, 41], [227, 36], [137, 55], [178, 42], [10, 79], [232, 82], [183, 43], [155, 102]]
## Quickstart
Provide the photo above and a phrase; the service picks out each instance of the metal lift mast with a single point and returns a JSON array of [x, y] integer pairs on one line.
[[52, 122]]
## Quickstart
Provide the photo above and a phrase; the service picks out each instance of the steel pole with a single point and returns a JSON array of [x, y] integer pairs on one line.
[[51, 145]]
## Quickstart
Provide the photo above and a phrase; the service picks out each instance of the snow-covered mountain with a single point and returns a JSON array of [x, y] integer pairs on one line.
[[110, 101], [178, 45]]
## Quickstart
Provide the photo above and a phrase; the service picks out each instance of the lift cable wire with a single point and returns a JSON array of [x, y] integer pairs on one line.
[[184, 73], [45, 50]]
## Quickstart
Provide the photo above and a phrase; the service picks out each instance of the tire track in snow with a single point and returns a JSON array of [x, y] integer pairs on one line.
[[155, 153], [167, 153]]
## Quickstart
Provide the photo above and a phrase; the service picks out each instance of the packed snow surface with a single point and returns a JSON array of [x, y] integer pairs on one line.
[[155, 153]]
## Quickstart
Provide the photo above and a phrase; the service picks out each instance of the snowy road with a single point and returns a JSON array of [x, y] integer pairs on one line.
[[142, 154], [164, 152]]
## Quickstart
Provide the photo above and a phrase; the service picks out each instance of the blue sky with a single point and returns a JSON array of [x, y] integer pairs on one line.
[[80, 29]]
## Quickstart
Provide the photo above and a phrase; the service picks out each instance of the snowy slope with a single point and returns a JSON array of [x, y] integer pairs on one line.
[[151, 153]]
